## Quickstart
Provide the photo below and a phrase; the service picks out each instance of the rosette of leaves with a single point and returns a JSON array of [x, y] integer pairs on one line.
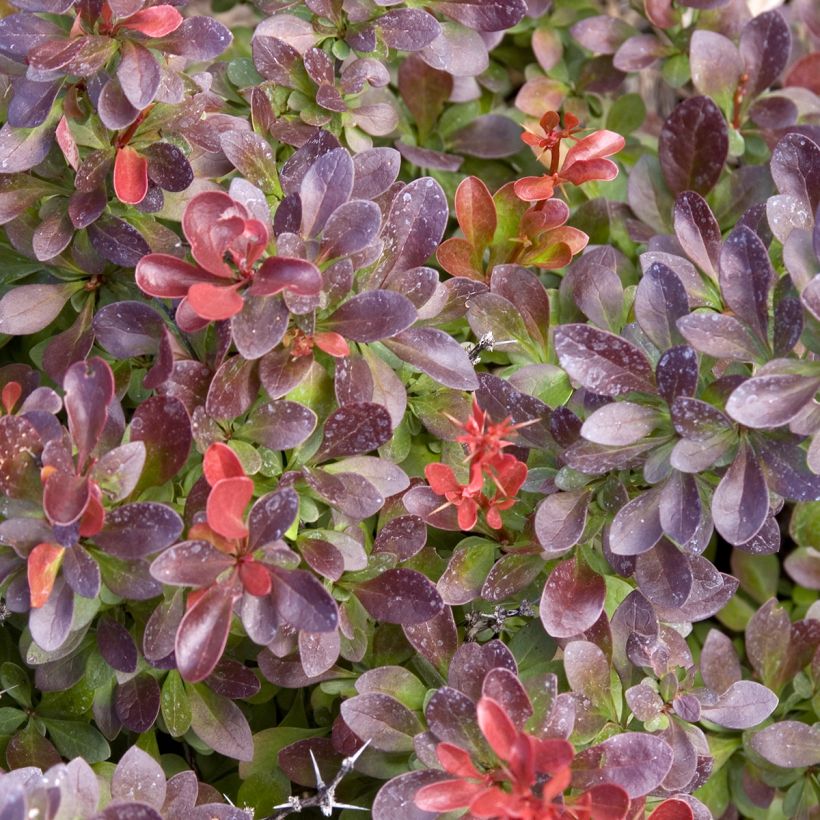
[[83, 537], [458, 729]]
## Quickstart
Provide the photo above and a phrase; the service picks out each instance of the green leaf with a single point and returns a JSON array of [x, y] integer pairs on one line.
[[174, 705], [626, 114], [10, 719], [15, 683], [74, 738]]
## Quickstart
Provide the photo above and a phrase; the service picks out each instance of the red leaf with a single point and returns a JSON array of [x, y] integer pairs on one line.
[[448, 795], [221, 462], [332, 343], [456, 761], [533, 189], [93, 518], [226, 506], [476, 212], [65, 139], [165, 276], [43, 565], [496, 726], [552, 754], [255, 578], [11, 395], [156, 21], [610, 802], [672, 810], [130, 176], [213, 302]]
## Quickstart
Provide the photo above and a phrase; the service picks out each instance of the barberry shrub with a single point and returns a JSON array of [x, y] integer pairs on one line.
[[409, 407]]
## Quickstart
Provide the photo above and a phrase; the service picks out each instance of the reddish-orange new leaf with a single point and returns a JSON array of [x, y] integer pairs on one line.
[[226, 504], [156, 21], [130, 176], [43, 565], [221, 462]]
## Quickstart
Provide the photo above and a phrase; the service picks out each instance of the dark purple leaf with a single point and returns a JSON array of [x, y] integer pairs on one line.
[[473, 662], [663, 575], [414, 226], [81, 572], [765, 46], [137, 705], [113, 107], [89, 389], [698, 231], [303, 602], [795, 168], [437, 354], [349, 493], [638, 53], [233, 680], [116, 645], [50, 624], [32, 102], [637, 762], [483, 15], [741, 500], [573, 599], [259, 326], [680, 508], [294, 170], [135, 530], [435, 639], [693, 146], [168, 167], [719, 664], [500, 400], [271, 516], [400, 596], [162, 423], [746, 276], [127, 329], [117, 241], [351, 228], [491, 136], [720, 335], [677, 373], [620, 423], [395, 799], [138, 73], [403, 536], [355, 428], [602, 362], [235, 386], [789, 744], [191, 563], [772, 398], [19, 33], [787, 473], [372, 315]]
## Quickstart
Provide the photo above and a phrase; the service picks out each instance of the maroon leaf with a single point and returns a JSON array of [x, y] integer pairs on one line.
[[89, 389], [135, 530], [693, 146], [400, 596], [560, 521], [408, 29], [636, 527], [259, 326], [741, 501], [279, 425], [302, 601], [484, 15], [163, 424], [117, 241], [573, 599], [385, 722], [137, 705], [720, 335], [351, 228], [664, 576], [602, 362], [138, 73], [765, 46], [436, 639], [743, 705], [198, 38], [373, 315], [719, 664], [788, 744], [116, 645], [327, 185], [21, 148], [235, 385], [355, 428], [698, 231]]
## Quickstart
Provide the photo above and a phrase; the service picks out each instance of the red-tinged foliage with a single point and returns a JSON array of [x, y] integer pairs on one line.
[[43, 565], [156, 21], [130, 176], [528, 783]]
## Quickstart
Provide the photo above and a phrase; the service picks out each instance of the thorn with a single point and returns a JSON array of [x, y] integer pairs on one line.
[[319, 782], [351, 760]]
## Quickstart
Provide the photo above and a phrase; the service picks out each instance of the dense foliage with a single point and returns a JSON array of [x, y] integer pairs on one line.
[[410, 407]]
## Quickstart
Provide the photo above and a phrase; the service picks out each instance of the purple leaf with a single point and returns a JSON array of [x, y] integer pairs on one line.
[[162, 423], [414, 226], [787, 473], [716, 66], [620, 423], [663, 575], [279, 425], [372, 315], [602, 362], [168, 167], [772, 398], [395, 799], [490, 136], [138, 73], [408, 29], [403, 536], [720, 335], [327, 184], [789, 744], [400, 596], [385, 722], [138, 777], [89, 389], [271, 516], [117, 241], [473, 662], [693, 146], [677, 373], [235, 385], [795, 168], [637, 762], [81, 572], [746, 276], [510, 575], [233, 680], [135, 530], [28, 309], [50, 624], [741, 501], [680, 507], [198, 38], [437, 354], [435, 639], [21, 149], [573, 599], [302, 601], [355, 428], [116, 645], [259, 326], [601, 34], [113, 107], [375, 170], [32, 102], [743, 705], [127, 329], [719, 664], [219, 722], [638, 53], [636, 527], [137, 703], [697, 230], [765, 46], [483, 15], [560, 521], [351, 228], [349, 493], [191, 563]]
